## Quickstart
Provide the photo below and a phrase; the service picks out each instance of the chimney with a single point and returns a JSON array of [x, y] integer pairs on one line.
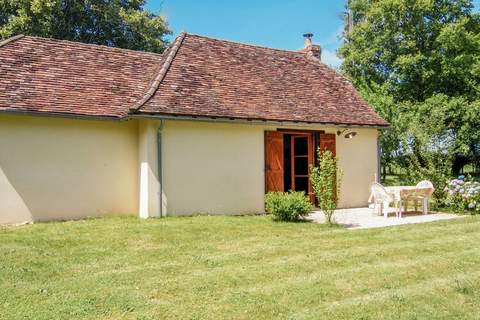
[[311, 50]]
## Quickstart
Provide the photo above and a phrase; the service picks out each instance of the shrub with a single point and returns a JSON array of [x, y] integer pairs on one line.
[[287, 206], [434, 167], [326, 179], [463, 195]]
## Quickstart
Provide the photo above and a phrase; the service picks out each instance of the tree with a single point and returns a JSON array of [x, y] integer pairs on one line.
[[405, 54], [392, 139], [117, 23]]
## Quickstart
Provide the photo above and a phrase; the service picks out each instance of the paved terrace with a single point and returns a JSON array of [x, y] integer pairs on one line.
[[364, 218]]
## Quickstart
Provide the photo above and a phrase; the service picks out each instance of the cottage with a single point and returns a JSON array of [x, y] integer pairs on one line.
[[207, 127]]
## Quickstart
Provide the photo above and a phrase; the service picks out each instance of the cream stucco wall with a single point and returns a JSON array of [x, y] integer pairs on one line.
[[149, 184], [218, 168], [53, 168], [358, 161], [212, 168]]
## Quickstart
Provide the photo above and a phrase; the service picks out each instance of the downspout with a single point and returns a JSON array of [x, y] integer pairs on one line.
[[159, 164], [379, 157]]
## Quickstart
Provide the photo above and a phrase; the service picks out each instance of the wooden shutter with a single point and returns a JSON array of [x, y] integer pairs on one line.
[[274, 161], [327, 142]]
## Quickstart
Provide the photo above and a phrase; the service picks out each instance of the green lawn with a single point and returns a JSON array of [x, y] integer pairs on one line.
[[238, 268]]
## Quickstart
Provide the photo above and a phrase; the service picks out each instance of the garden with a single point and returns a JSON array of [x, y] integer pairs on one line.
[[417, 65], [460, 195]]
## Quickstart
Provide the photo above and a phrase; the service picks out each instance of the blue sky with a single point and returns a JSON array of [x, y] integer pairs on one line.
[[270, 23]]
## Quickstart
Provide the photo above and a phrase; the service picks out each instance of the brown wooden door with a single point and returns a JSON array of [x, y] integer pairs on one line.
[[274, 168], [301, 160]]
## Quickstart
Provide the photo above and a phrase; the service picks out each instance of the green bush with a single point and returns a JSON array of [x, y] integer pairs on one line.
[[434, 167], [287, 206]]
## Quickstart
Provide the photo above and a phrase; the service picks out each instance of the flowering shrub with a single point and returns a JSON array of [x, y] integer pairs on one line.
[[463, 195]]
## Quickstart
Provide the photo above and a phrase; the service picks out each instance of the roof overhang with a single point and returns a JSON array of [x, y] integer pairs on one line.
[[61, 115], [194, 118], [255, 121]]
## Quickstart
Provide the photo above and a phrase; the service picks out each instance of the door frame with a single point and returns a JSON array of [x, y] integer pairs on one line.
[[314, 143], [310, 161]]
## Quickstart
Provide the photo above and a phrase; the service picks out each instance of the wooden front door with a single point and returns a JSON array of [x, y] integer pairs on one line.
[[274, 168], [287, 167], [301, 155]]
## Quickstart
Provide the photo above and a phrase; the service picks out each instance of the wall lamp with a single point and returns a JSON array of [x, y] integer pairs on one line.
[[348, 135]]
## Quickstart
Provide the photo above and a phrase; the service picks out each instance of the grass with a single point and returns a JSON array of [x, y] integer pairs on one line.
[[238, 268], [392, 180]]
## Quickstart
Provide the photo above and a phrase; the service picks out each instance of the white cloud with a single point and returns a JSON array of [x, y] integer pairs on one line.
[[330, 58]]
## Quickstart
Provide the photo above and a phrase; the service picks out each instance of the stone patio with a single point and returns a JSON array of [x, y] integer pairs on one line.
[[363, 218]]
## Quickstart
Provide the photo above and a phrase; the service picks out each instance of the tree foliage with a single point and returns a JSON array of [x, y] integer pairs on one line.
[[418, 63], [118, 23]]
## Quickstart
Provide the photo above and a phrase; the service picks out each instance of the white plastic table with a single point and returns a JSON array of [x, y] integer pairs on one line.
[[395, 192]]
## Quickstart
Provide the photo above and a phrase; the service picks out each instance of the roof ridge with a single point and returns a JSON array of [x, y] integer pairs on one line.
[[297, 52], [244, 44], [94, 45], [161, 73], [11, 39]]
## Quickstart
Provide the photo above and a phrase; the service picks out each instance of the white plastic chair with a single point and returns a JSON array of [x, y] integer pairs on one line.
[[425, 184], [425, 190], [381, 197]]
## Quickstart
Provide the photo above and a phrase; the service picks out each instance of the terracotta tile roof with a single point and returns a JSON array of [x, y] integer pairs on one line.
[[51, 76], [217, 78], [196, 76]]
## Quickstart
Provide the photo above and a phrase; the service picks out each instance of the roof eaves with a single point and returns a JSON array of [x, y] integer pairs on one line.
[[258, 120], [11, 39], [66, 115], [161, 74]]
